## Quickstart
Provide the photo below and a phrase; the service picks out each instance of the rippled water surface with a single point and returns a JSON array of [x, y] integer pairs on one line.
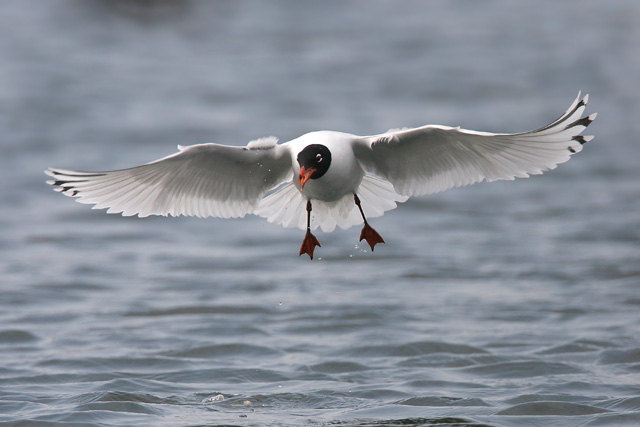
[[506, 304]]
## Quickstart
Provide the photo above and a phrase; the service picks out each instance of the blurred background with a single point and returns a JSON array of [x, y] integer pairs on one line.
[[503, 303]]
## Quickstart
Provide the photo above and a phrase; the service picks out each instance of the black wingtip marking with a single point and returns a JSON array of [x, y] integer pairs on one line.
[[572, 151], [62, 183], [579, 138], [67, 189], [78, 175], [562, 118], [585, 121]]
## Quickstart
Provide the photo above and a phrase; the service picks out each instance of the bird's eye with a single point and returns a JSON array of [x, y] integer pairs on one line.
[[318, 158]]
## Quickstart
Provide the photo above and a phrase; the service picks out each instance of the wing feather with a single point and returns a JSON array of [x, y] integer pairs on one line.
[[200, 180], [435, 158]]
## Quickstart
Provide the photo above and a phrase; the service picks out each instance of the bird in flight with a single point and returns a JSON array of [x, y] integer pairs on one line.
[[325, 179]]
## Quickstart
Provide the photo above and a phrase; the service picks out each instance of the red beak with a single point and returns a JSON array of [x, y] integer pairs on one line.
[[304, 176]]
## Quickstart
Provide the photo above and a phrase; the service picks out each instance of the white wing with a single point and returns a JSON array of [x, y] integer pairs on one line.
[[200, 180], [433, 158]]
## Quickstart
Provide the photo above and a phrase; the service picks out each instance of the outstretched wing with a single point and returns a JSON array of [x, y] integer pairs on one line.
[[200, 180], [433, 158]]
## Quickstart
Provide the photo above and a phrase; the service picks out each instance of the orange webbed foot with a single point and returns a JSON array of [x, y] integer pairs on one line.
[[309, 244], [370, 235]]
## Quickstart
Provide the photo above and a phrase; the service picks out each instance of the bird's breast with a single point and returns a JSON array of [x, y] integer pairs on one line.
[[343, 177]]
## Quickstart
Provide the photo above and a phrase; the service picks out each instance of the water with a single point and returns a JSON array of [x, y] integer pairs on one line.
[[512, 303]]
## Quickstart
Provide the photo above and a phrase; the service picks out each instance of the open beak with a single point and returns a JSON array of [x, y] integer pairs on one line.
[[304, 176]]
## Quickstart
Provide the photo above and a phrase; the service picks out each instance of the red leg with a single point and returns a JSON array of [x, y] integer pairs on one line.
[[368, 233], [310, 242]]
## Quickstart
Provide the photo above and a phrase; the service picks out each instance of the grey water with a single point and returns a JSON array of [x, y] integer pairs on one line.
[[503, 304]]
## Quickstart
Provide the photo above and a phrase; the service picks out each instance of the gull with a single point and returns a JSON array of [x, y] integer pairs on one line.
[[325, 178]]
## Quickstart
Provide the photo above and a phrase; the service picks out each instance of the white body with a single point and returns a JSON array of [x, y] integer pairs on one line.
[[345, 174]]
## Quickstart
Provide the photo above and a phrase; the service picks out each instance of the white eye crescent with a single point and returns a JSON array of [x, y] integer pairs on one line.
[[318, 158]]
